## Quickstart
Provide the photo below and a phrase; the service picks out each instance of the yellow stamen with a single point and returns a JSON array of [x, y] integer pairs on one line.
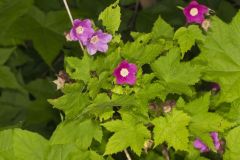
[[79, 30], [124, 72], [94, 39], [194, 12]]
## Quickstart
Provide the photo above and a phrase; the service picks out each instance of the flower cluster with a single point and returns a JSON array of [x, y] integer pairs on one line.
[[198, 144], [93, 40], [196, 13]]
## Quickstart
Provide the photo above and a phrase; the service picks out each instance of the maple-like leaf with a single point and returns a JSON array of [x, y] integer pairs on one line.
[[127, 133], [176, 76], [172, 129], [187, 37], [221, 59], [233, 145]]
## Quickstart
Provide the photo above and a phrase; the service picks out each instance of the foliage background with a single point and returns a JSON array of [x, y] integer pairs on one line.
[[33, 47]]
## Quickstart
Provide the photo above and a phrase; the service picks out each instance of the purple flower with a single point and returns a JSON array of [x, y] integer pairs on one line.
[[98, 42], [216, 140], [195, 12], [215, 87], [81, 30], [198, 144], [125, 73]]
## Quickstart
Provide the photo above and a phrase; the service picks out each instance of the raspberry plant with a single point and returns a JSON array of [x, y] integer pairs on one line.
[[158, 112]]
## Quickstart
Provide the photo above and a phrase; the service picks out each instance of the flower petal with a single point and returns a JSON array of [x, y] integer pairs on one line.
[[216, 140], [131, 79], [91, 50], [198, 144]]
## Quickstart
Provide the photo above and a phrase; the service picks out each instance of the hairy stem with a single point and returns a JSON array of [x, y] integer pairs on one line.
[[71, 19], [165, 153], [127, 154]]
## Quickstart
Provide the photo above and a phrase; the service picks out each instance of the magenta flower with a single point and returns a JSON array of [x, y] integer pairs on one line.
[[81, 30], [216, 140], [125, 73], [198, 144], [195, 12], [98, 42]]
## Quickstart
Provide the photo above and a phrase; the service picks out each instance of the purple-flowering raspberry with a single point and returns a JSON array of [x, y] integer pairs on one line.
[[81, 30], [98, 42], [125, 73], [198, 144], [216, 140], [195, 12]]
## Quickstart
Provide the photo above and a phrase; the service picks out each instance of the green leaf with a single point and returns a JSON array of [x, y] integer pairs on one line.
[[10, 11], [187, 37], [8, 79], [126, 134], [202, 124], [150, 52], [220, 58], [95, 84], [86, 155], [233, 145], [197, 106], [150, 92], [73, 87], [43, 29], [234, 113], [141, 51], [25, 146], [80, 133], [5, 53], [39, 113], [172, 129], [41, 88], [79, 69], [22, 145], [208, 122], [107, 62], [102, 103], [62, 152], [111, 17], [175, 76], [13, 108], [162, 30], [72, 103], [6, 145]]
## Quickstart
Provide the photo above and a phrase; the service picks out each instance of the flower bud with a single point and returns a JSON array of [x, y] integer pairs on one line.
[[148, 145], [206, 24]]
